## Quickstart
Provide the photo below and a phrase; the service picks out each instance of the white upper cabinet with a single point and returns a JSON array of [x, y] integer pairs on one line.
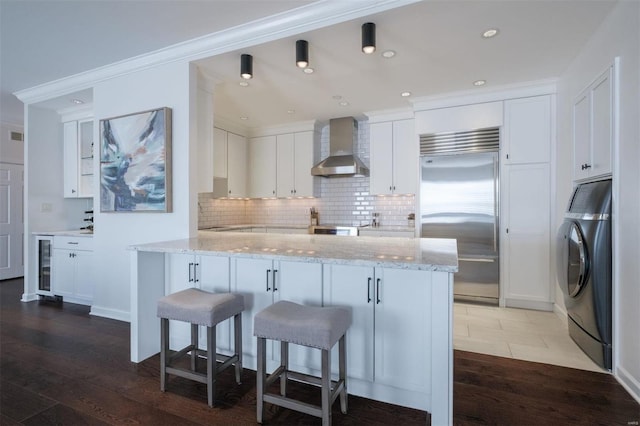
[[294, 162], [262, 167], [593, 113], [394, 158], [236, 165], [78, 158], [219, 153], [205, 141], [280, 165], [527, 130], [229, 164], [285, 165]]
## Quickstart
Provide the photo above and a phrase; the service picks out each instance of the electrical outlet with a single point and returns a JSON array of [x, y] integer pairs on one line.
[[46, 207]]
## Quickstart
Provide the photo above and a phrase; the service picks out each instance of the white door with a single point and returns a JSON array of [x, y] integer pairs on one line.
[[400, 321], [354, 287], [11, 221]]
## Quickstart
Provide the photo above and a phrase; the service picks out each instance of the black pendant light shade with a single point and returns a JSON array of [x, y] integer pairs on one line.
[[369, 38], [246, 66], [302, 54]]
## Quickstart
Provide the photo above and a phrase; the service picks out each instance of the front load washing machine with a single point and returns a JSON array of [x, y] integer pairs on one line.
[[584, 269]]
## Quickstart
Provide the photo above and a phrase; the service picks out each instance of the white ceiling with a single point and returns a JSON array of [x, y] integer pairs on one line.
[[438, 43]]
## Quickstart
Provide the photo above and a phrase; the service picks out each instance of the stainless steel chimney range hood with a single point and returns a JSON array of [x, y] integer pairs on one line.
[[343, 133]]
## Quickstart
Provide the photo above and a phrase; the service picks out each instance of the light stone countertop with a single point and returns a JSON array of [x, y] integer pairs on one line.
[[433, 254], [68, 233]]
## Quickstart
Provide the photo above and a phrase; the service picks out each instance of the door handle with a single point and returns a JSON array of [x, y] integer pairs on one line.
[[195, 273], [369, 290], [268, 272], [190, 275], [378, 291], [274, 280]]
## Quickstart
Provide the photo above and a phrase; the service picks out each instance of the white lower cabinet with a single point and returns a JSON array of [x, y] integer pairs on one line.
[[386, 342], [526, 238], [72, 269], [209, 273], [264, 282]]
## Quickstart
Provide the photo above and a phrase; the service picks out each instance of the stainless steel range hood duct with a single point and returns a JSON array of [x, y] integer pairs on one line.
[[343, 133]]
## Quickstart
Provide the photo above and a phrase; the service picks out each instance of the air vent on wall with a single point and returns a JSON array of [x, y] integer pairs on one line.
[[479, 140], [17, 136]]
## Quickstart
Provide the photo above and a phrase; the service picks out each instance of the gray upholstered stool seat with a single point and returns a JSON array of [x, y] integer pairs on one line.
[[199, 307], [317, 327]]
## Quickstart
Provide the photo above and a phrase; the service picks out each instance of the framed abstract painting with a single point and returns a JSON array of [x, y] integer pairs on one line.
[[135, 162]]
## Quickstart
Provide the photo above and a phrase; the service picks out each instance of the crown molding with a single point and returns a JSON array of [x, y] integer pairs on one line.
[[500, 93], [389, 115], [280, 129], [305, 18]]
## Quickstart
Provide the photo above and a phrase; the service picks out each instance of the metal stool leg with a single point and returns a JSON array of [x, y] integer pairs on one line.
[[326, 387], [211, 364], [237, 345], [284, 362], [194, 343], [164, 352], [260, 377], [342, 355]]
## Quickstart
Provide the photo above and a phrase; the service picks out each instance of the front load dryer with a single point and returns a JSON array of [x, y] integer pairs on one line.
[[585, 271]]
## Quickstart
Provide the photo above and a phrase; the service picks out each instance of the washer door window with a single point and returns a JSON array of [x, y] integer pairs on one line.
[[577, 262]]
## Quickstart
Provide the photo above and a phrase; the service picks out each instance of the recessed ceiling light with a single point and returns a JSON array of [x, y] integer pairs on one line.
[[480, 82], [405, 94], [291, 111], [77, 101], [244, 83], [307, 70], [491, 32], [244, 118], [344, 103], [388, 54]]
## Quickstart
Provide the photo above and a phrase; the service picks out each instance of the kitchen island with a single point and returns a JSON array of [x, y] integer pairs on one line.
[[400, 291]]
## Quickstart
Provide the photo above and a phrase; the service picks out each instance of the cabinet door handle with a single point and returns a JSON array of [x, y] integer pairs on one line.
[[274, 280], [268, 272], [378, 291], [369, 290], [586, 166], [190, 275], [75, 243], [73, 191], [195, 273]]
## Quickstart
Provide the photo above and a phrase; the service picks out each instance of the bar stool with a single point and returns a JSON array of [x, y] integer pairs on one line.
[[199, 307], [309, 326]]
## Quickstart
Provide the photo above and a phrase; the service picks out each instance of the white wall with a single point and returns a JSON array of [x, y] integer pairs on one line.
[[45, 207], [619, 35], [164, 86]]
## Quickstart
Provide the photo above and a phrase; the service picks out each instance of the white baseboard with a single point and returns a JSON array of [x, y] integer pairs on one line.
[[630, 383], [115, 314], [560, 312], [29, 297], [529, 304]]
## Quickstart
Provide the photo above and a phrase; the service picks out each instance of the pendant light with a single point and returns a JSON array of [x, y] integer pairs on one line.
[[369, 38], [246, 66], [302, 54]]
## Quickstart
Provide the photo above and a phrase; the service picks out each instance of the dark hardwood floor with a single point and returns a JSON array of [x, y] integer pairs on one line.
[[59, 365]]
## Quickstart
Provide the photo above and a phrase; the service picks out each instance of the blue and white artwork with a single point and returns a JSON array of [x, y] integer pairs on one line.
[[135, 162]]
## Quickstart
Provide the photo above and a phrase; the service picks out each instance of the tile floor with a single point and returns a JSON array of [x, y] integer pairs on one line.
[[517, 333]]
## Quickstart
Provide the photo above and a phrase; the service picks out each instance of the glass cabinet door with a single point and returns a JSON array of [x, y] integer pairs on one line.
[[44, 247]]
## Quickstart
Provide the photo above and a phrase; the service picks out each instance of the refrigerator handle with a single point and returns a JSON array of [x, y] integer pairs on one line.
[[495, 203]]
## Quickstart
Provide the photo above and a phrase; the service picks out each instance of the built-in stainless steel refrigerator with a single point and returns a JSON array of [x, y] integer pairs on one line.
[[459, 195]]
